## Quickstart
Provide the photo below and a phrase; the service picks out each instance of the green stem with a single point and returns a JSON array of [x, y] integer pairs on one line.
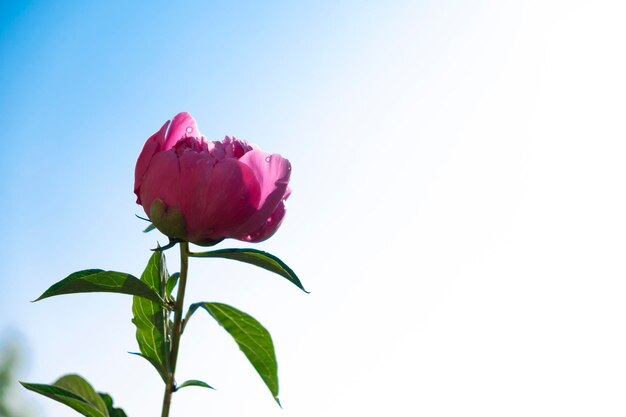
[[177, 330]]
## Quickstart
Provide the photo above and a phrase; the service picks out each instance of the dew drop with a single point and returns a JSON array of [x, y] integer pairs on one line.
[[189, 129], [267, 159]]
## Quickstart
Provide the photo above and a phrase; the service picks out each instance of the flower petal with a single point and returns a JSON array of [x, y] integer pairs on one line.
[[162, 181], [217, 195], [272, 172], [235, 148], [269, 227], [151, 147], [183, 125]]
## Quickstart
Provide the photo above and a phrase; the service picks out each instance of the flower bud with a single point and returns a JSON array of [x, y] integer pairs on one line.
[[203, 192]]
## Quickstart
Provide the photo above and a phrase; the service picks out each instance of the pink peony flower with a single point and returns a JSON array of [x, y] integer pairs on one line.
[[203, 192]]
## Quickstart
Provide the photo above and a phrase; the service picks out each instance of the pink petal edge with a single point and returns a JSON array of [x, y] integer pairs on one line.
[[183, 125]]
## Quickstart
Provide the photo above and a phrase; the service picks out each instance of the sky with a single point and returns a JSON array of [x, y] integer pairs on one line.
[[457, 209]]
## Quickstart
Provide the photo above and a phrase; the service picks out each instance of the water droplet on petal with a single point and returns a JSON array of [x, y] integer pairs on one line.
[[267, 159], [189, 129]]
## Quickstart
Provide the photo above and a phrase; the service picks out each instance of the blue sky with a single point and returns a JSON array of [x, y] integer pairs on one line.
[[456, 208]]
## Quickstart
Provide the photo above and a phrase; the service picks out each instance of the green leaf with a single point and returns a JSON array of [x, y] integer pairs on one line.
[[97, 280], [113, 412], [255, 257], [194, 383], [158, 366], [79, 386], [171, 284], [253, 340], [151, 319], [149, 228], [75, 392]]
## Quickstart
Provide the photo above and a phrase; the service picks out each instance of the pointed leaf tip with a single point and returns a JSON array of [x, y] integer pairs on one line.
[[251, 337], [98, 280], [171, 244], [75, 392], [258, 258], [159, 368], [194, 383]]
